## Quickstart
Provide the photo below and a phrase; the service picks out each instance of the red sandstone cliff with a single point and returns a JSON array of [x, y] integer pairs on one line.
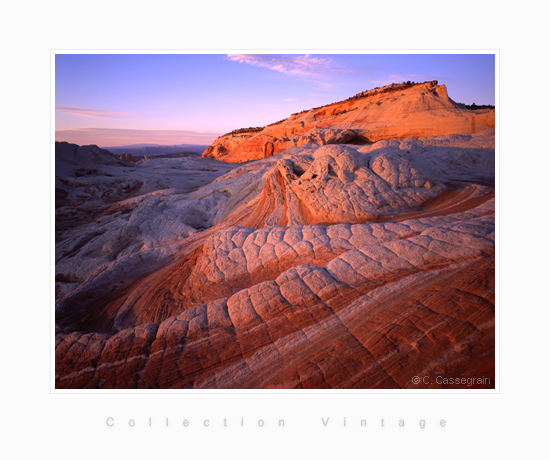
[[392, 112]]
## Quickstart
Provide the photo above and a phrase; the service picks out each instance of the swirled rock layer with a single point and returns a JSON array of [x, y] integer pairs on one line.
[[333, 266]]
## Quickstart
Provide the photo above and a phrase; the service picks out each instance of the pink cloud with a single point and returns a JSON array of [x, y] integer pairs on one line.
[[114, 136], [90, 113], [306, 66]]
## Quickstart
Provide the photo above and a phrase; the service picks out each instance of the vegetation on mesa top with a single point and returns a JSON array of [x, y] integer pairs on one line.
[[476, 107], [246, 130], [367, 93], [257, 129]]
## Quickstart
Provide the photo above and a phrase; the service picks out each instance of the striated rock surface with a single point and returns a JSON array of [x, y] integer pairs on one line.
[[333, 266], [392, 112]]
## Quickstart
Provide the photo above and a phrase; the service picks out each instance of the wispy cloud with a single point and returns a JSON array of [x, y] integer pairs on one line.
[[114, 136], [291, 99], [91, 113], [305, 66]]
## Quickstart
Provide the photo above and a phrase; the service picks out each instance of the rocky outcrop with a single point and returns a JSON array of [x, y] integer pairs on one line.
[[391, 112], [421, 303], [334, 266]]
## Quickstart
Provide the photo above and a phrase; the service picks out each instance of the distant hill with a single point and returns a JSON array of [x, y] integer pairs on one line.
[[140, 150]]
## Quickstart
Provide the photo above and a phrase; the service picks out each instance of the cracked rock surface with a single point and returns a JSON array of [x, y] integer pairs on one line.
[[335, 266]]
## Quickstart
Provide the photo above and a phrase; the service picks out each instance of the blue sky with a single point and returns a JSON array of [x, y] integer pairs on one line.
[[118, 99]]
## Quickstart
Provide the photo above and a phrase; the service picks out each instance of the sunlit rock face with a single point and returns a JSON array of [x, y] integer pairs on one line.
[[322, 266], [391, 112]]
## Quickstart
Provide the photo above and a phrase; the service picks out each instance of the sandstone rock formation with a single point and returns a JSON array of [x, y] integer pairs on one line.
[[391, 112], [322, 266]]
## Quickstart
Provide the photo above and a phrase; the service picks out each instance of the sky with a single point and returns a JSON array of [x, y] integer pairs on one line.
[[124, 99]]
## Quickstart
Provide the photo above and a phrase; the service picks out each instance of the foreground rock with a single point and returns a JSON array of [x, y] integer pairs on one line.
[[372, 317], [392, 112], [324, 267]]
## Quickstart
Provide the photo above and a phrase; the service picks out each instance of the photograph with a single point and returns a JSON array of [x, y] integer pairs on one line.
[[275, 221], [267, 231]]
